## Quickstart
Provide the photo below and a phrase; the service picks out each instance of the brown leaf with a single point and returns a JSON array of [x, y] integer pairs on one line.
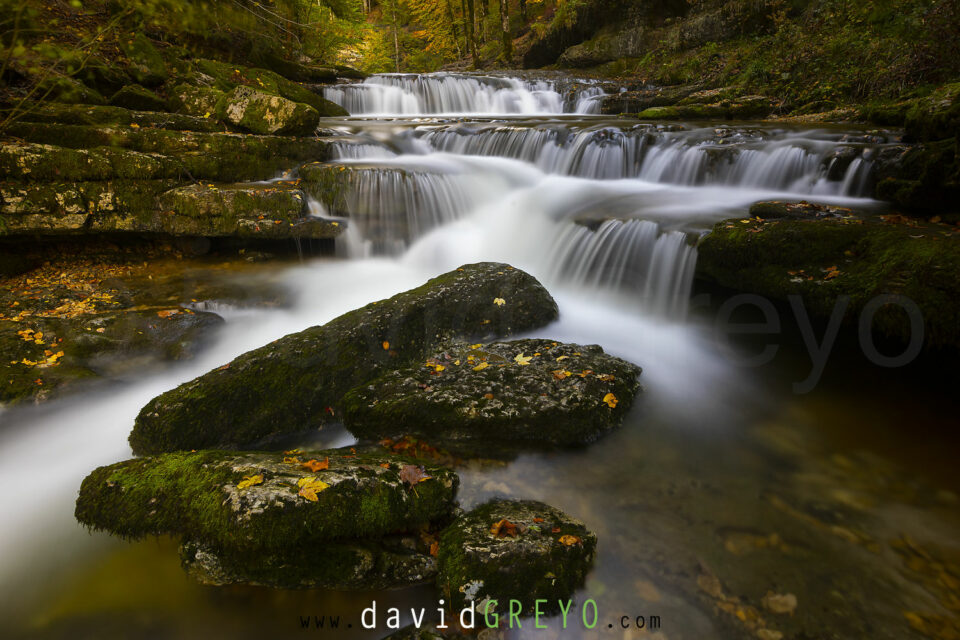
[[412, 474], [569, 540]]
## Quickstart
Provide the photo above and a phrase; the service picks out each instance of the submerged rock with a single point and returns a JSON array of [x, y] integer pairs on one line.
[[257, 502], [385, 563], [520, 550], [520, 392], [297, 382]]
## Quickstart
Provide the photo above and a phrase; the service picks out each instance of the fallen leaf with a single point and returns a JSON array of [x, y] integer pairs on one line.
[[475, 346], [503, 528], [538, 520], [499, 302], [167, 313], [488, 396], [386, 345], [481, 366], [610, 400], [522, 360], [249, 481], [291, 460], [310, 487], [316, 465], [561, 374], [412, 474], [569, 540], [435, 548]]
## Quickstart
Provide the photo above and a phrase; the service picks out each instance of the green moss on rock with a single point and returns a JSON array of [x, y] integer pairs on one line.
[[821, 260], [484, 397], [477, 564], [297, 382], [382, 563], [146, 64], [196, 495], [134, 96], [262, 113]]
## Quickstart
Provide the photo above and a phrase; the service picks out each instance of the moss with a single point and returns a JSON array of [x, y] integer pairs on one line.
[[146, 64], [545, 402], [228, 77], [69, 91], [195, 101], [475, 564], [791, 257], [196, 495], [297, 382], [69, 114], [134, 96], [383, 563], [924, 178], [215, 156], [262, 113]]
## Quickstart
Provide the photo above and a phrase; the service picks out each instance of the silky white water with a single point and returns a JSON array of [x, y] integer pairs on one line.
[[606, 217]]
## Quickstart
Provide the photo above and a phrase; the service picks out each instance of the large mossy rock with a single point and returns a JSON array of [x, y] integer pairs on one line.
[[821, 261], [384, 563], [265, 114], [138, 98], [297, 382], [519, 392], [513, 550], [74, 114], [146, 64], [203, 496]]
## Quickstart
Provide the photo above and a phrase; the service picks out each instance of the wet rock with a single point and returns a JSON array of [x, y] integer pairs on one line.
[[384, 563], [297, 382], [521, 550], [863, 258], [533, 392], [257, 502], [259, 112], [800, 210], [139, 98], [256, 211], [223, 157], [839, 161]]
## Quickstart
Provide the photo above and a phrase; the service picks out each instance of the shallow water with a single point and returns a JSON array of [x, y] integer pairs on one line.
[[721, 486]]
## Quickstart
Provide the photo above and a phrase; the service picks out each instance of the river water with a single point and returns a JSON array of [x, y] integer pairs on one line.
[[721, 488]]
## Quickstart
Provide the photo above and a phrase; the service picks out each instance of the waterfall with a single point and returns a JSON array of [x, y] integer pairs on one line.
[[452, 93], [634, 257]]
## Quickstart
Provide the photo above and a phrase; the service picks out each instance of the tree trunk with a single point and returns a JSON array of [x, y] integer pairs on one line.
[[484, 15], [472, 34], [453, 28], [523, 11], [396, 37], [505, 32]]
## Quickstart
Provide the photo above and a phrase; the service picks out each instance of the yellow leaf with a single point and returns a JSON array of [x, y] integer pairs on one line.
[[310, 487], [522, 359], [499, 302], [316, 465], [475, 346], [610, 400], [562, 358], [249, 481], [481, 366], [386, 345], [206, 115], [569, 540]]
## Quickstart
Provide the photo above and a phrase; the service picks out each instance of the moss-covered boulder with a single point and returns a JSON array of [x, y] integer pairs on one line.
[[382, 563], [69, 91], [195, 101], [770, 209], [54, 113], [245, 210], [224, 157], [923, 178], [297, 382], [145, 64], [259, 112], [227, 77], [533, 392], [257, 502], [859, 257], [513, 550], [134, 96]]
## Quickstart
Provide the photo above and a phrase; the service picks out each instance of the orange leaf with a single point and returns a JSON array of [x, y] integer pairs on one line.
[[569, 540], [315, 465], [503, 528]]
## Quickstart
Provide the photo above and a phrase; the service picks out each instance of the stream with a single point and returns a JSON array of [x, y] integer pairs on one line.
[[721, 487]]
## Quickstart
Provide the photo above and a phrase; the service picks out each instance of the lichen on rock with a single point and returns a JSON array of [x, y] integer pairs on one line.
[[478, 397]]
